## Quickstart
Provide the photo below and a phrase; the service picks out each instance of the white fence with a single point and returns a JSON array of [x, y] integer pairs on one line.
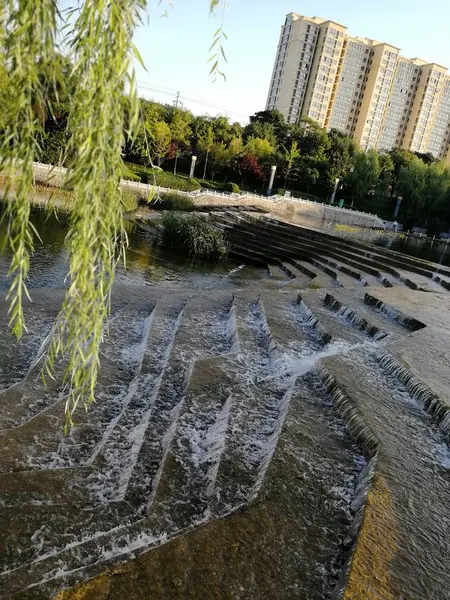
[[55, 176]]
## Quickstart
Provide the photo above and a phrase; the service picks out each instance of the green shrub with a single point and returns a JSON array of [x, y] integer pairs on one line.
[[127, 173], [193, 235], [164, 179], [130, 200], [280, 192], [231, 187], [173, 201], [211, 185]]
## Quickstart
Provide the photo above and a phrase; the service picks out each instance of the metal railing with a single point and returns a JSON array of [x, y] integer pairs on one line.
[[146, 189]]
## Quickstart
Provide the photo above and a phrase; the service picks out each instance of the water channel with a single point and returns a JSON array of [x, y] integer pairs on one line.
[[230, 410]]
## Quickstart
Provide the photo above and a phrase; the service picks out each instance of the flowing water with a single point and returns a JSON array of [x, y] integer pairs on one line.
[[231, 410]]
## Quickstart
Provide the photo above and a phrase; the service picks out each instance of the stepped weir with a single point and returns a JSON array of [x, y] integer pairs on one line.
[[278, 429]]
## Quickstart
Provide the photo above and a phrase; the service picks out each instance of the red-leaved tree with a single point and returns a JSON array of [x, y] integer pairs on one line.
[[248, 166]]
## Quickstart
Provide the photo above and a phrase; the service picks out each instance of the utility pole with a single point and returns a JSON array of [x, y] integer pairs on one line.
[[177, 100]]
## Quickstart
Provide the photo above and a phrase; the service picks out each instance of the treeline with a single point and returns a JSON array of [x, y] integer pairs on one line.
[[309, 160]]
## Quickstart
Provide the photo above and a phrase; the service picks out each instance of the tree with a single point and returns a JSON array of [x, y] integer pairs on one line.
[[400, 158], [290, 156], [220, 156], [436, 188], [138, 149], [339, 156], [363, 177], [307, 171], [205, 140], [180, 127], [386, 177], [275, 119], [248, 165], [410, 185], [311, 138], [236, 147], [259, 147], [160, 139], [263, 130], [223, 131], [104, 105]]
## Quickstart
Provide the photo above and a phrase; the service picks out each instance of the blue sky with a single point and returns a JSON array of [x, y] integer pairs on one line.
[[175, 48]]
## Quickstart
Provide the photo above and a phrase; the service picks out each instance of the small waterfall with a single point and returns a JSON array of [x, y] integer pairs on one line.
[[137, 435], [326, 270], [420, 392], [363, 281], [235, 270], [166, 444], [351, 317], [347, 270], [301, 366], [139, 352], [215, 440], [445, 284], [411, 284], [360, 432], [358, 508], [310, 320], [272, 442], [394, 313], [274, 350], [384, 282], [232, 329], [368, 443]]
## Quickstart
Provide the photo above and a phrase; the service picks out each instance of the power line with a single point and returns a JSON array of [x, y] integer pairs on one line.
[[178, 97]]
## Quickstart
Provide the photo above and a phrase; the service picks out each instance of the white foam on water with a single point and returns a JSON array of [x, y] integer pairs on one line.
[[235, 270], [301, 365]]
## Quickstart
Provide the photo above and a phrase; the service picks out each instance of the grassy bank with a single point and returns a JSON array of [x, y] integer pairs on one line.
[[61, 198]]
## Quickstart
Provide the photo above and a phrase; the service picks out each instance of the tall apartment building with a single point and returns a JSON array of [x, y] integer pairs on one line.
[[361, 87], [348, 93], [399, 105]]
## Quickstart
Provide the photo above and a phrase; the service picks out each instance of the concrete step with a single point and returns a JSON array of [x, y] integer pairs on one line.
[[187, 474], [35, 437], [299, 279], [255, 408], [385, 258], [405, 430], [325, 277], [116, 451], [353, 319], [393, 314], [280, 243], [336, 329], [294, 337], [278, 273], [356, 304], [198, 332]]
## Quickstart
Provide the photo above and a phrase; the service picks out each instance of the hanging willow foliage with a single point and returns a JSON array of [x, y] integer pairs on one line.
[[101, 53], [27, 34]]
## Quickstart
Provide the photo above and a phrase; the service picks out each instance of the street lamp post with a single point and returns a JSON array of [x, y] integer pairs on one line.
[[191, 172], [333, 195], [397, 206], [273, 170]]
